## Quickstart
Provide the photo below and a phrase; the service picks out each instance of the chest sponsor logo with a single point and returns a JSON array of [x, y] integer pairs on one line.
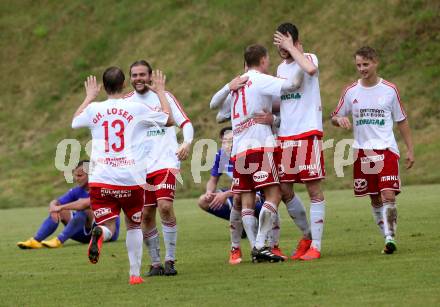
[[156, 132], [369, 159], [260, 176], [291, 96], [368, 121], [360, 185], [101, 212]]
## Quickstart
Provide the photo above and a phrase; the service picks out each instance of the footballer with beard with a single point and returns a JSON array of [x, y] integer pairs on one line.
[[162, 167]]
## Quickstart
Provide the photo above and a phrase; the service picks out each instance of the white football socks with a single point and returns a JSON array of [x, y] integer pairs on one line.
[[169, 230], [151, 240], [265, 223], [250, 225], [133, 242], [378, 218], [274, 235], [317, 214], [236, 227], [106, 232], [389, 215], [297, 212]]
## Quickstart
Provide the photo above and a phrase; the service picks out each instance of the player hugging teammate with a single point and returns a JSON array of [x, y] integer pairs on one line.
[[297, 156]]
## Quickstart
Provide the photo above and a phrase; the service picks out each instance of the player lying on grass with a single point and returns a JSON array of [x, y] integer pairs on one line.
[[375, 105], [120, 150], [73, 210]]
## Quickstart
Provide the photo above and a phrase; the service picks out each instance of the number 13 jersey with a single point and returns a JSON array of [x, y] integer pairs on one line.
[[119, 146]]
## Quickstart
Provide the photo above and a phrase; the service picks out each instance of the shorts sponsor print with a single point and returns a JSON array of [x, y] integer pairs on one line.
[[254, 170], [375, 171], [107, 203], [301, 160], [160, 185]]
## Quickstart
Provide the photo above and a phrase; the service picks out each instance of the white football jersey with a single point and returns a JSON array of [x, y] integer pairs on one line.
[[164, 140], [374, 110], [301, 110], [119, 146], [257, 95]]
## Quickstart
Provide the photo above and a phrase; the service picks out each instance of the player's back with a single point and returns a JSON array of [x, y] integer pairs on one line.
[[256, 96], [119, 149]]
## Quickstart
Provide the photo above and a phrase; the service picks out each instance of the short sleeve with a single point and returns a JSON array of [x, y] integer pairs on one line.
[[177, 111], [312, 58], [398, 113], [83, 119], [344, 105]]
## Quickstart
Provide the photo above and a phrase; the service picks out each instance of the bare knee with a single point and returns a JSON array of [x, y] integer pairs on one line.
[[65, 216], [129, 224], [376, 201], [287, 193], [203, 204], [388, 196], [166, 210], [314, 190], [149, 215], [272, 194]]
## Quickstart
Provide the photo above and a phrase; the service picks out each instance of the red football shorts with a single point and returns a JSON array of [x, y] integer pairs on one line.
[[107, 204], [375, 171], [254, 171], [301, 160], [160, 186]]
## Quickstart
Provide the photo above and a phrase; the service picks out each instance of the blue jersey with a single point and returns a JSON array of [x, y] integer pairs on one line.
[[222, 164], [73, 195]]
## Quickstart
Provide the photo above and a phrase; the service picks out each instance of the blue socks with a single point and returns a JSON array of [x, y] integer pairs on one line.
[[46, 229], [74, 227]]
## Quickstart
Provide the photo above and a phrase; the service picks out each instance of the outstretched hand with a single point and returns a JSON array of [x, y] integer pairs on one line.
[[158, 80], [92, 88]]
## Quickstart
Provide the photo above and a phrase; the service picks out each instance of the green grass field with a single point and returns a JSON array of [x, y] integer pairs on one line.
[[352, 271]]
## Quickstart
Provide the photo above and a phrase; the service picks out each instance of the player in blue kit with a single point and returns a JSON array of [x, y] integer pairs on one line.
[[73, 210]]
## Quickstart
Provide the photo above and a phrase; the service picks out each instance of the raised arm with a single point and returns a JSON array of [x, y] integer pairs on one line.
[[405, 132], [92, 91], [285, 42], [158, 80]]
